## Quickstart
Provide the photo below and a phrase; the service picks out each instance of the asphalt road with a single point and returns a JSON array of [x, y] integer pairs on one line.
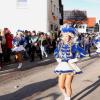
[[40, 83]]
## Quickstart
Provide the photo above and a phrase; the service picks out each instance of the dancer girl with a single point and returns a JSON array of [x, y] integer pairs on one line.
[[66, 68], [19, 48]]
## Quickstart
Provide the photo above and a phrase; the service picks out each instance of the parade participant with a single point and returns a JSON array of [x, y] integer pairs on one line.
[[97, 43], [66, 68], [19, 48], [87, 44]]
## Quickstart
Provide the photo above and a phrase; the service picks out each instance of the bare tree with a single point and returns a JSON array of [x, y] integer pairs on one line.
[[77, 17]]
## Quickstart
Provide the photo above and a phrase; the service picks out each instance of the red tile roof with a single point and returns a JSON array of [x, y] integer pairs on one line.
[[91, 22]]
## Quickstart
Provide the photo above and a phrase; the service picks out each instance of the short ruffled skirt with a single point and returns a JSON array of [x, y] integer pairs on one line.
[[98, 47], [67, 67], [18, 48]]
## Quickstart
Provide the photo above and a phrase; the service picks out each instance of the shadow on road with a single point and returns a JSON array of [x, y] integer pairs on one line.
[[27, 65], [30, 90], [37, 64], [92, 57], [87, 64], [87, 90], [54, 96], [89, 61]]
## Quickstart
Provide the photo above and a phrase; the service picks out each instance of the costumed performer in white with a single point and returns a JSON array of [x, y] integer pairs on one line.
[[18, 43], [97, 43], [66, 68]]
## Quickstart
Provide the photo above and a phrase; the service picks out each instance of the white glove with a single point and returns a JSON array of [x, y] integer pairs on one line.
[[58, 60]]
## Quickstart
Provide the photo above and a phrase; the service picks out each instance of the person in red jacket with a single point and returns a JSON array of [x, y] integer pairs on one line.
[[9, 39]]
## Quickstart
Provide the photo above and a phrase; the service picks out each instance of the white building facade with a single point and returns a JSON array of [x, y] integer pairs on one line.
[[39, 15]]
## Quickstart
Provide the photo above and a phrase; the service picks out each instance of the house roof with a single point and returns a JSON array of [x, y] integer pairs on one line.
[[91, 22]]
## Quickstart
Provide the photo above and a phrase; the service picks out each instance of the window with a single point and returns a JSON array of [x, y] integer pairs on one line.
[[51, 5], [22, 0], [54, 8], [51, 2], [80, 26], [51, 27], [22, 3]]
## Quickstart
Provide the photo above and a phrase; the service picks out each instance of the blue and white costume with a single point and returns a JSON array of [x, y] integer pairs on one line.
[[19, 44], [64, 56], [97, 43]]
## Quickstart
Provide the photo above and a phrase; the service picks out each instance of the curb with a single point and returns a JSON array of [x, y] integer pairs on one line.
[[39, 63], [7, 71], [32, 65]]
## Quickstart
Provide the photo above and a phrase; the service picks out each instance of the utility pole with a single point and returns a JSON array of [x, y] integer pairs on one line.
[[99, 26]]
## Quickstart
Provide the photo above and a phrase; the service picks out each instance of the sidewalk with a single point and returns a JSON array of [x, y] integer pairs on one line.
[[28, 65]]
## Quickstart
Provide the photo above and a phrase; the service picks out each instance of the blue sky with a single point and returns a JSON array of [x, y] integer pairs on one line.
[[91, 6]]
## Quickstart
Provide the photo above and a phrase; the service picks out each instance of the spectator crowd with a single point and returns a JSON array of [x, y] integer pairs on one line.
[[25, 44], [28, 44]]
